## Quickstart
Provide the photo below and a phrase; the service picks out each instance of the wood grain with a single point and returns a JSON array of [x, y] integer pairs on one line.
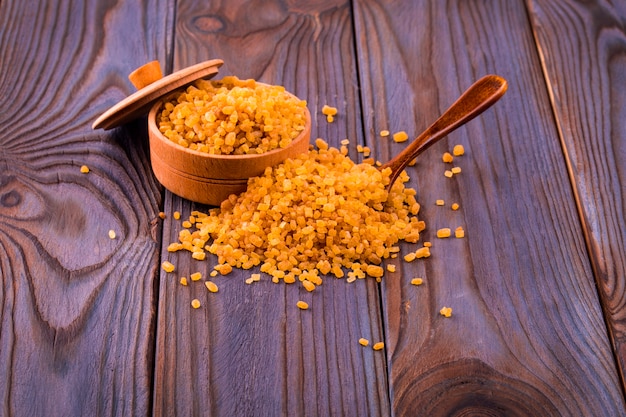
[[76, 307], [583, 54], [526, 315], [249, 350]]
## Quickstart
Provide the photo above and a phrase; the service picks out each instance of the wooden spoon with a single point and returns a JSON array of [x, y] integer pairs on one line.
[[476, 99]]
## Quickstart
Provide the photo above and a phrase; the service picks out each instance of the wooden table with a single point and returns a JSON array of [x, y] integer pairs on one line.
[[92, 326]]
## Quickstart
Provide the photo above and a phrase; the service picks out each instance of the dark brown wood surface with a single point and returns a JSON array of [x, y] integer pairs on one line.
[[92, 326], [590, 111], [517, 324], [77, 309]]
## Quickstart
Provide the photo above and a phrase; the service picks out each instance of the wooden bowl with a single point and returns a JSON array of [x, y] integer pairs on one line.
[[196, 176], [211, 179]]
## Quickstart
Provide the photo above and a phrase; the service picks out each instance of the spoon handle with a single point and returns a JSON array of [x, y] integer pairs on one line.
[[476, 99]]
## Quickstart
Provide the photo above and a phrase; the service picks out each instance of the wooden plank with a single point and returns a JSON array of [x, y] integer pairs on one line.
[[248, 350], [76, 307], [527, 335], [584, 60]]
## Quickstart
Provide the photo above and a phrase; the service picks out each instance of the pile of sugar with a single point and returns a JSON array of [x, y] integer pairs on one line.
[[320, 213]]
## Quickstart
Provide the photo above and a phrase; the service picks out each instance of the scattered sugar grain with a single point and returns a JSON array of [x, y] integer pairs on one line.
[[439, 202], [454, 206], [329, 110], [378, 346], [447, 157], [195, 303], [448, 173], [417, 281], [459, 232], [223, 269], [409, 257], [384, 133], [112, 234], [458, 150], [302, 305], [446, 311], [199, 256], [364, 342], [84, 169], [308, 285], [456, 170], [183, 281], [211, 286], [443, 233], [168, 266], [374, 271], [400, 137], [196, 276], [173, 247]]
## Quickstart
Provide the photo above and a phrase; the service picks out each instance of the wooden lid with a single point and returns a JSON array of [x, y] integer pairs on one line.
[[151, 87]]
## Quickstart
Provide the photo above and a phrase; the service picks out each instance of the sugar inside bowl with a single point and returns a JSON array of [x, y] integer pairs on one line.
[[207, 138]]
